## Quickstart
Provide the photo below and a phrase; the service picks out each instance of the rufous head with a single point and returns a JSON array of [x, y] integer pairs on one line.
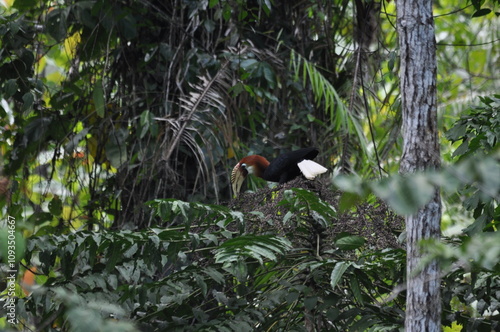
[[249, 165]]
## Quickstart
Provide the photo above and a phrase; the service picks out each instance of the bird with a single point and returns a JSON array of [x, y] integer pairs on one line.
[[284, 168]]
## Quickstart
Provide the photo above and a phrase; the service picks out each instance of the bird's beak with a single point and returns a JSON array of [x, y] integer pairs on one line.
[[238, 175]]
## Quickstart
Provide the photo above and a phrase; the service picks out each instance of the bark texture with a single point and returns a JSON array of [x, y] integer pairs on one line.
[[421, 151]]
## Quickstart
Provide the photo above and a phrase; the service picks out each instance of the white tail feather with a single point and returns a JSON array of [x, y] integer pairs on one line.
[[310, 169]]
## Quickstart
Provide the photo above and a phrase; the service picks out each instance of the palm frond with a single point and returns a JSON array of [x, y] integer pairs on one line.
[[203, 96], [324, 92], [199, 127], [326, 96]]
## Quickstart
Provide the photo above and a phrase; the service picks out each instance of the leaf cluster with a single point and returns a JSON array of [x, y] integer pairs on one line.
[[206, 271]]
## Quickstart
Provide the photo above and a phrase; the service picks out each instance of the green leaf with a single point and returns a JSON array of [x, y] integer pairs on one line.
[[332, 314], [269, 75], [28, 100], [201, 283], [392, 60], [10, 88], [356, 290], [215, 275], [23, 5], [310, 302], [131, 251], [292, 297], [56, 23], [40, 218], [55, 206], [212, 3], [146, 120], [127, 26], [259, 252], [476, 4], [113, 255], [456, 132], [461, 150], [255, 246], [481, 12], [249, 64], [350, 242], [337, 273], [352, 184]]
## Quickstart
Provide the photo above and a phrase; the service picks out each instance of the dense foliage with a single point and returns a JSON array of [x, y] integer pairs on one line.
[[121, 120]]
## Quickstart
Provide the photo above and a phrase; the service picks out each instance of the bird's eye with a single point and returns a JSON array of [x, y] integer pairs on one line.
[[243, 165]]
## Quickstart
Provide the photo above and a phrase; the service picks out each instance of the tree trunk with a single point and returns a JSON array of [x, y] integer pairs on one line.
[[421, 151]]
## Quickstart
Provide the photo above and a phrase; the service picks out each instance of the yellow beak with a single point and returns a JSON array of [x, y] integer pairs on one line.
[[237, 178]]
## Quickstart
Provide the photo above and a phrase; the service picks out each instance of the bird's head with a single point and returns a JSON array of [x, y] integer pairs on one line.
[[238, 175], [255, 165]]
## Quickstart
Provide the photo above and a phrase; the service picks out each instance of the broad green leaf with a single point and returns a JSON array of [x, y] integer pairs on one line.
[[28, 100], [23, 5], [456, 132], [350, 242], [10, 88], [310, 302], [113, 255], [481, 12], [255, 246], [213, 3], [201, 283], [352, 184], [337, 273], [41, 218], [332, 314], [130, 251], [258, 252], [292, 297], [215, 275], [249, 64], [356, 290], [55, 206], [56, 23]]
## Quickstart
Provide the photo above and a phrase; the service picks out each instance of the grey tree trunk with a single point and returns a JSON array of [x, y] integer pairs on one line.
[[421, 151]]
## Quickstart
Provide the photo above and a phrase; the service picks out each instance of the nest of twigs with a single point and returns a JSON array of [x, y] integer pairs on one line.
[[376, 223]]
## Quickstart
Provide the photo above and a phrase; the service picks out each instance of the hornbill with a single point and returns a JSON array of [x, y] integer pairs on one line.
[[284, 168]]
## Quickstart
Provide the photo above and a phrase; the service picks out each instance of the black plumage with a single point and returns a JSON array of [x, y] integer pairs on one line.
[[284, 168]]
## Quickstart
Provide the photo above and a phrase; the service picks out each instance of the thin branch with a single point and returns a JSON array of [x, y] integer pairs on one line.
[[469, 45]]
